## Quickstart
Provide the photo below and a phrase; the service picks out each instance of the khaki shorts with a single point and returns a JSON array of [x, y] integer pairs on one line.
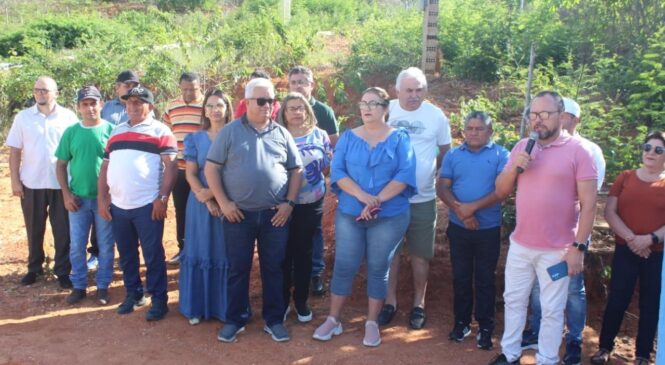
[[420, 234]]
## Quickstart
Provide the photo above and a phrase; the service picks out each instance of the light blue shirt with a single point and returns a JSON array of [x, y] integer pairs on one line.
[[115, 112], [372, 169]]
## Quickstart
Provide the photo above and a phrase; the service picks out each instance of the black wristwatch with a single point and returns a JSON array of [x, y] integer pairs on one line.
[[581, 246], [654, 238], [291, 203]]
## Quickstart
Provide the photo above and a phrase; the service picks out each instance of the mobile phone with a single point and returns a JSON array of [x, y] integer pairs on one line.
[[374, 212], [558, 271]]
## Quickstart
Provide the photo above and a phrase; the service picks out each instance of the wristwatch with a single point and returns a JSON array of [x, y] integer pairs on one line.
[[582, 246], [291, 203], [164, 198], [654, 238]]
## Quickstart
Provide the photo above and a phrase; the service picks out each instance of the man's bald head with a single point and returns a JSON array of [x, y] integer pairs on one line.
[[45, 91]]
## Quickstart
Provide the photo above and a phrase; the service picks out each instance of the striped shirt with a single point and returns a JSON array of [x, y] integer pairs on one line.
[[135, 166], [183, 119]]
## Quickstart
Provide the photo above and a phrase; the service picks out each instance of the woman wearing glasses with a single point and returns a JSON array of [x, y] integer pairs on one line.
[[314, 147], [635, 210], [373, 174], [203, 264]]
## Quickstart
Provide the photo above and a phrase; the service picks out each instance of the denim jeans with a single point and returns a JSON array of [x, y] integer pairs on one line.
[[318, 261], [131, 226], [473, 255], [575, 309], [79, 229], [626, 269], [375, 240], [271, 244]]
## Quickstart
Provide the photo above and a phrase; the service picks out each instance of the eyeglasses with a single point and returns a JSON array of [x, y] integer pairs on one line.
[[657, 149], [299, 82], [544, 115], [370, 105], [213, 106], [263, 101], [41, 91], [295, 109]]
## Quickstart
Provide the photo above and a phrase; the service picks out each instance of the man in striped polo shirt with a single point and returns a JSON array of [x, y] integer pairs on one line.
[[136, 178], [183, 116]]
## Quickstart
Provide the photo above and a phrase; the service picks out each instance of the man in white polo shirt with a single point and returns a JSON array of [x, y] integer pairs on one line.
[[135, 181], [33, 139]]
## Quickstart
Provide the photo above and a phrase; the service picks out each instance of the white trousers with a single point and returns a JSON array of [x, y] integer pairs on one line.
[[523, 266]]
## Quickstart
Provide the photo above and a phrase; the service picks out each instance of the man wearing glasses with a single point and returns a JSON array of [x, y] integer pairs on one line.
[[33, 139], [301, 80], [556, 207], [183, 116], [254, 171], [430, 136], [576, 303]]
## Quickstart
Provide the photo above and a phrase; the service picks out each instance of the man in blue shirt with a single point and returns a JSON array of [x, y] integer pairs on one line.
[[114, 110], [466, 185]]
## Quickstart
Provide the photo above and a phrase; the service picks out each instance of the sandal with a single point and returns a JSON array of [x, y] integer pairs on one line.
[[602, 356]]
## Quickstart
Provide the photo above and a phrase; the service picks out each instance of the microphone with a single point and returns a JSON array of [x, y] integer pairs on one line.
[[533, 136]]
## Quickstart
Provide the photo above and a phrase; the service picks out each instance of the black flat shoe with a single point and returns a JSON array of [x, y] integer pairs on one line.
[[387, 314], [417, 318]]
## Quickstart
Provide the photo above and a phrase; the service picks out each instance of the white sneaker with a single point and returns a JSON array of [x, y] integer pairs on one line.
[[331, 327], [92, 262]]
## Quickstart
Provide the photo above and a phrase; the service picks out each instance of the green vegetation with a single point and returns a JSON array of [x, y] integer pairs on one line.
[[607, 55]]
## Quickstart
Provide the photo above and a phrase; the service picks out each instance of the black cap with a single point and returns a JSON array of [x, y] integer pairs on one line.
[[127, 76], [88, 92], [140, 92]]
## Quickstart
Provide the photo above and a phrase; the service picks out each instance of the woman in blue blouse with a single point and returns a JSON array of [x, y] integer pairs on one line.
[[373, 174], [203, 266], [314, 146]]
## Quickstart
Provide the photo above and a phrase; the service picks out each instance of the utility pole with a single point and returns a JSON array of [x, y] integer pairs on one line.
[[430, 36], [285, 10]]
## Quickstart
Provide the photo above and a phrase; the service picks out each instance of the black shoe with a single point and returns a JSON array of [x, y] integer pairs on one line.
[[573, 354], [103, 296], [64, 282], [417, 318], [501, 360], [459, 332], [157, 311], [387, 314], [131, 302], [30, 278], [76, 296], [484, 339], [317, 286]]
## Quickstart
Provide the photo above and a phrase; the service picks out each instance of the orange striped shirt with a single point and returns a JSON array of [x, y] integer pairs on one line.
[[183, 119]]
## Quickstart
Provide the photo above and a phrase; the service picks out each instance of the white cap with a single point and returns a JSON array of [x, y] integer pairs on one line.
[[570, 106]]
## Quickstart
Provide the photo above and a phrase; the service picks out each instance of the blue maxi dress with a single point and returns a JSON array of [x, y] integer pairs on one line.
[[203, 265]]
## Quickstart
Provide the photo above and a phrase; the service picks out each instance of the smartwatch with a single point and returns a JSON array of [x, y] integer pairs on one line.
[[581, 246], [654, 238], [291, 203]]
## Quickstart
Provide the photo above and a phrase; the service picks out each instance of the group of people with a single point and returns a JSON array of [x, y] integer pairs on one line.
[[259, 176]]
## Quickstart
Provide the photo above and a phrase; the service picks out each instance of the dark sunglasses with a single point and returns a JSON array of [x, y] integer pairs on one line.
[[263, 101], [658, 149]]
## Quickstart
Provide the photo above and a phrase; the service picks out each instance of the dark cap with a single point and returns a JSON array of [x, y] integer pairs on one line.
[[141, 93], [127, 76], [88, 92]]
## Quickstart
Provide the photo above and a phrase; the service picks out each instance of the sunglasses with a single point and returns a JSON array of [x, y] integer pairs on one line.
[[263, 101], [657, 149]]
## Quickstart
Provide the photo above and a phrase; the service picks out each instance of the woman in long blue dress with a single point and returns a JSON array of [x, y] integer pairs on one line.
[[203, 266]]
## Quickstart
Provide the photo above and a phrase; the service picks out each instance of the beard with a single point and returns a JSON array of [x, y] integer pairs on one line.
[[546, 133]]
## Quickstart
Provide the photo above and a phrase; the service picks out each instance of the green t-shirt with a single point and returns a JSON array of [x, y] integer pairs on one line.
[[84, 147]]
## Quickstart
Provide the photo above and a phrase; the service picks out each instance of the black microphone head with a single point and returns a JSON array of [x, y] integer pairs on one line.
[[533, 135]]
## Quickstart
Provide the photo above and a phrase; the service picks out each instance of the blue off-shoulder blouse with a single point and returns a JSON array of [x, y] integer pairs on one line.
[[372, 169]]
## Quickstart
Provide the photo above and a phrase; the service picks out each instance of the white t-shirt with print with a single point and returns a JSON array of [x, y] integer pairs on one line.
[[428, 129]]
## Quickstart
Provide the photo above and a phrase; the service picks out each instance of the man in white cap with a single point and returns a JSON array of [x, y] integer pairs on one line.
[[576, 303]]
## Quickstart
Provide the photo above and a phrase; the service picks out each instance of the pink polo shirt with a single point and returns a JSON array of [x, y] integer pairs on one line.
[[547, 204]]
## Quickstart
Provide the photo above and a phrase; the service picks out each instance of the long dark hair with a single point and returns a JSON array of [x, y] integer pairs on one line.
[[205, 121]]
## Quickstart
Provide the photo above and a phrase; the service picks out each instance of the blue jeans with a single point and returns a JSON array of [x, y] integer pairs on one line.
[[79, 229], [575, 309], [131, 226], [271, 244], [318, 262], [375, 240]]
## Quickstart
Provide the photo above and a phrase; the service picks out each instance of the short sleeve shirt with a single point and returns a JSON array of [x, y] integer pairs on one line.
[[38, 136], [325, 117], [472, 174], [372, 169], [255, 164], [428, 129]]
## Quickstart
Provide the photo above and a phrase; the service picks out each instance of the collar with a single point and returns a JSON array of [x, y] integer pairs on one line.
[[312, 101], [35, 109], [180, 99], [465, 147], [146, 121], [271, 125]]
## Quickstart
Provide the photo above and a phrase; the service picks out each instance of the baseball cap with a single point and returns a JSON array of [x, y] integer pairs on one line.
[[570, 106], [88, 92], [127, 76], [140, 92]]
